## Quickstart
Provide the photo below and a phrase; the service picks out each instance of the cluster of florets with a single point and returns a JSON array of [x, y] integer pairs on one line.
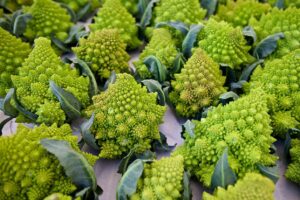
[[105, 51], [16, 4], [225, 44], [280, 79], [126, 117], [27, 170], [162, 179], [48, 19], [131, 5], [242, 126], [293, 172], [113, 15], [198, 85], [12, 54], [32, 83], [162, 46], [286, 21], [252, 187], [79, 4]]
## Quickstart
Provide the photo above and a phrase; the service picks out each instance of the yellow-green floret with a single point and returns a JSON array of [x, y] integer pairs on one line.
[[198, 85], [280, 79], [286, 21], [14, 5], [76, 5], [113, 15], [131, 5], [48, 18], [105, 51], [293, 172], [32, 83], [162, 179], [252, 187], [27, 170], [162, 46], [12, 54], [242, 126], [225, 44], [126, 117]]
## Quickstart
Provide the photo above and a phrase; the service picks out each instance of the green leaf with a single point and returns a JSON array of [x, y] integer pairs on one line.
[[190, 39], [237, 85], [157, 69], [223, 175], [60, 45], [178, 63], [68, 102], [70, 11], [88, 193], [2, 124], [162, 145], [270, 172], [279, 4], [155, 86], [210, 6], [128, 183], [180, 26], [187, 192], [249, 69], [75, 165], [73, 34], [147, 15], [88, 138], [249, 35], [227, 97], [82, 13], [142, 5], [267, 46], [111, 80], [19, 24], [189, 127], [6, 106]]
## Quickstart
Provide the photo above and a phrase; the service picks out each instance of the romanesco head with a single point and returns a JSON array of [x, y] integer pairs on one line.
[[162, 46], [27, 170], [113, 15], [48, 18], [76, 5], [252, 187], [32, 83], [105, 51], [126, 117], [293, 172], [242, 126], [238, 13], [186, 11], [162, 179], [286, 21], [198, 85], [225, 44], [12, 54]]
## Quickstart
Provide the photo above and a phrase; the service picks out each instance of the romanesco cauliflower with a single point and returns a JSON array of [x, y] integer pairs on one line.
[[14, 5], [131, 5], [293, 172], [79, 4]]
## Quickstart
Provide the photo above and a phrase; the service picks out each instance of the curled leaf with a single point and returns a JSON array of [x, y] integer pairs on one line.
[[249, 69], [155, 86], [147, 15], [110, 80], [2, 124], [5, 104], [157, 69], [180, 26], [162, 145], [190, 39], [210, 6], [178, 63], [249, 35], [19, 24], [228, 96], [270, 172], [88, 138]]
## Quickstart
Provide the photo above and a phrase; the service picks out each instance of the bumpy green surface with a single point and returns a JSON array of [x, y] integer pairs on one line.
[[286, 21], [48, 18], [126, 117], [105, 51], [32, 83], [280, 78], [114, 15], [79, 4], [293, 172], [242, 126], [239, 13], [187, 11], [162, 46], [252, 187], [131, 5], [27, 170], [225, 44], [12, 54], [14, 5], [162, 179], [199, 83]]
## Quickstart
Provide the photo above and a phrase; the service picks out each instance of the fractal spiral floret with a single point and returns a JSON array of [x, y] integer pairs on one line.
[[32, 83], [252, 187], [280, 78], [162, 179], [162, 46], [186, 11], [293, 172], [199, 83], [126, 117], [48, 18], [27, 170], [285, 21], [12, 54], [105, 51], [113, 15], [79, 4], [242, 126], [225, 44]]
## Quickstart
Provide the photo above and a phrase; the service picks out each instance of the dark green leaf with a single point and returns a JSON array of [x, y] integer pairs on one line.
[[60, 45], [249, 35], [5, 24], [157, 69], [88, 138], [267, 46], [180, 26], [210, 6], [189, 127], [72, 34], [249, 69], [6, 106], [70, 11], [111, 80], [142, 6], [293, 131], [279, 4], [155, 86], [147, 15], [205, 111], [82, 13], [88, 193], [68, 102], [128, 183], [75, 165], [190, 39], [228, 96], [178, 63], [187, 192], [237, 85], [287, 145], [271, 172], [223, 175], [2, 124], [19, 24], [162, 145]]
